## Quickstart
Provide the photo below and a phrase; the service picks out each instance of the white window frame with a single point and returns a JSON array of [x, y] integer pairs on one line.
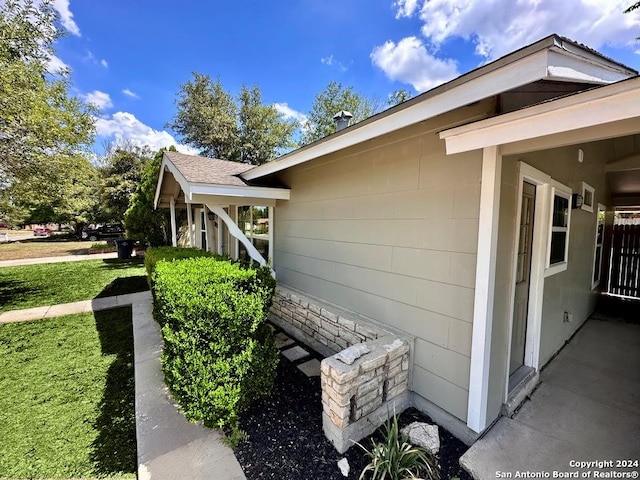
[[558, 190], [588, 207], [596, 282]]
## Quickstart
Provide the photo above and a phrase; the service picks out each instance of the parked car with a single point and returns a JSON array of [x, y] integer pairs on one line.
[[104, 232], [41, 232]]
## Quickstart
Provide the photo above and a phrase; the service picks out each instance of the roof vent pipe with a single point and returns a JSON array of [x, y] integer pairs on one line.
[[342, 119]]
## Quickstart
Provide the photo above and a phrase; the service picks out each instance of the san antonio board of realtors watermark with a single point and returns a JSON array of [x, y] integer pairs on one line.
[[609, 469]]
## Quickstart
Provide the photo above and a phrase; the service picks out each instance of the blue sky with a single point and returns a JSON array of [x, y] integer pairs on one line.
[[130, 56]]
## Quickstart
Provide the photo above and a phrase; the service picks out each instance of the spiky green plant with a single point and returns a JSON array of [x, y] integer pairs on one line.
[[396, 459]]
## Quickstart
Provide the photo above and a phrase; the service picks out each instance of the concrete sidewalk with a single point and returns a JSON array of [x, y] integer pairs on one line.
[[65, 258], [586, 408], [169, 447], [83, 306]]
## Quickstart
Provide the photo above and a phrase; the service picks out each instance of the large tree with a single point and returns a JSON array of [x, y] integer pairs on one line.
[[262, 132], [141, 220], [43, 129], [39, 121], [121, 172], [333, 99], [243, 129]]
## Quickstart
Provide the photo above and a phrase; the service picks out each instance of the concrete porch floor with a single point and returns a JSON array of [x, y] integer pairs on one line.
[[586, 407]]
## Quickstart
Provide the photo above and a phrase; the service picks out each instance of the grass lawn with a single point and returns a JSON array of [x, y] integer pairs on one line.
[[30, 286], [42, 247], [67, 402]]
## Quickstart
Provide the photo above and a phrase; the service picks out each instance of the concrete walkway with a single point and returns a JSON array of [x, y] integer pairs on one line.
[[169, 447], [51, 311], [64, 258], [586, 408]]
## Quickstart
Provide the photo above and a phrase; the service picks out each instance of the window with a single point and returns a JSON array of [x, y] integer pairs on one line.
[[588, 197], [204, 243], [597, 254], [558, 246], [254, 223]]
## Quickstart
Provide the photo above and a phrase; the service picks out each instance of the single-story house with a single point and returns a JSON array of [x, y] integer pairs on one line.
[[457, 233]]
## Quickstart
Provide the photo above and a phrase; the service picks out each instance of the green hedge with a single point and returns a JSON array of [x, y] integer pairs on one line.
[[219, 353], [154, 255]]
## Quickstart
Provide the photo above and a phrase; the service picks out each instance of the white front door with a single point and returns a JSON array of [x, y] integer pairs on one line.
[[522, 280]]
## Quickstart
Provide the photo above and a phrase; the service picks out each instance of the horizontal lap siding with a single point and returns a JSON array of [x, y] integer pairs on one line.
[[389, 230]]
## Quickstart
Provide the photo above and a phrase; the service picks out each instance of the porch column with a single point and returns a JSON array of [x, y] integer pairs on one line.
[[220, 246], [174, 234], [484, 288], [271, 231], [190, 223]]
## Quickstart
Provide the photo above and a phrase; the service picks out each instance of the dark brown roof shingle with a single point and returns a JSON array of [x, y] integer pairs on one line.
[[196, 169]]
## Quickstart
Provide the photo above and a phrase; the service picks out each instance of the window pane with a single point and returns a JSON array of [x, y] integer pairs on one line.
[[560, 211], [558, 244], [596, 269]]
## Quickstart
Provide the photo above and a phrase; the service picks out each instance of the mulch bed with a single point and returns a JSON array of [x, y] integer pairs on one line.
[[285, 438]]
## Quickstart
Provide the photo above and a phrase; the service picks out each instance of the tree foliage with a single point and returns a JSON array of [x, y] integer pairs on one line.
[[142, 221], [398, 97], [334, 98], [633, 7], [120, 174], [43, 130], [243, 129]]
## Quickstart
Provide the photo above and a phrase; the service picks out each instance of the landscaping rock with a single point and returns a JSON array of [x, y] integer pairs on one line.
[[423, 435], [343, 465], [351, 354]]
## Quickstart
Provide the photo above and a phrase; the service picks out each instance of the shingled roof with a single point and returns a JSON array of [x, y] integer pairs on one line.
[[204, 170]]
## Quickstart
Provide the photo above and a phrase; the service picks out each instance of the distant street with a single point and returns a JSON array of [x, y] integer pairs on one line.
[[15, 237]]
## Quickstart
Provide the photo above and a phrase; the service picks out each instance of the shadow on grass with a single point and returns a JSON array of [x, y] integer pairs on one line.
[[124, 285], [16, 291], [118, 264], [114, 450]]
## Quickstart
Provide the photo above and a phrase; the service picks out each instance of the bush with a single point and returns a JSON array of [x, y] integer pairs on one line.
[[219, 354], [154, 255], [395, 458]]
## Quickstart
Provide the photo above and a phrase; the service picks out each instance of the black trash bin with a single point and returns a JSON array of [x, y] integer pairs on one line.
[[125, 247]]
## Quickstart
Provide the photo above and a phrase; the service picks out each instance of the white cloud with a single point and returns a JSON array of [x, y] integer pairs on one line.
[[289, 113], [406, 8], [129, 93], [409, 61], [66, 17], [331, 61], [100, 99], [124, 126], [56, 66], [104, 63], [498, 27]]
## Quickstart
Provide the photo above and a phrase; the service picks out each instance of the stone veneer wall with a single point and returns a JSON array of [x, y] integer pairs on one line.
[[356, 398], [326, 328], [359, 397]]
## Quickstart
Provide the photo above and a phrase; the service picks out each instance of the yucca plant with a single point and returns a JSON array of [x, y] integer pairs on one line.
[[396, 459]]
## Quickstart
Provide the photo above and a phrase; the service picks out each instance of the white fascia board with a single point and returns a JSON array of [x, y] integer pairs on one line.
[[156, 198], [608, 104], [565, 65], [184, 184], [236, 191], [520, 72]]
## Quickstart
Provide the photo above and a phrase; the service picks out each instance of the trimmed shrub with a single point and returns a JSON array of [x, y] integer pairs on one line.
[[219, 353], [168, 254]]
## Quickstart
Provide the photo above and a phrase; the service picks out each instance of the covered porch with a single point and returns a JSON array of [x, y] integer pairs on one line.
[[224, 213], [552, 177], [586, 408]]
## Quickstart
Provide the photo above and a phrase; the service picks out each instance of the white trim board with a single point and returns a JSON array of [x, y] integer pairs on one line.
[[484, 289], [613, 103]]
